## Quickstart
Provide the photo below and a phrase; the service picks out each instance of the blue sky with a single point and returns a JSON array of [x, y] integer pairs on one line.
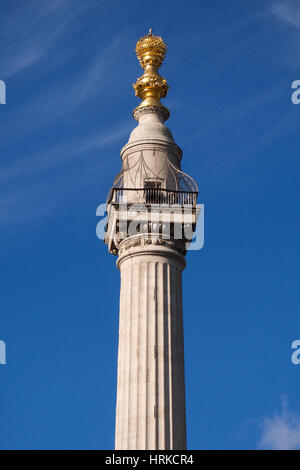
[[69, 67]]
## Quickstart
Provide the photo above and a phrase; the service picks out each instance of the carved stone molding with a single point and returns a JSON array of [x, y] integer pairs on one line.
[[177, 245], [163, 112]]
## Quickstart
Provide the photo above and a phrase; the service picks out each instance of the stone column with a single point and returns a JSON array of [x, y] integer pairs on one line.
[[151, 389]]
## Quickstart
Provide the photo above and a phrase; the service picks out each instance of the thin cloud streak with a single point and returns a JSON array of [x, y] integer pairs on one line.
[[27, 183], [56, 100], [287, 11], [28, 39], [39, 35], [61, 154]]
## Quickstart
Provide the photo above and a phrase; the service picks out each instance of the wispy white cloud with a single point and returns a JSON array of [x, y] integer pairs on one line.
[[61, 154], [287, 11], [45, 35], [29, 33], [57, 97], [22, 60], [61, 171], [281, 431]]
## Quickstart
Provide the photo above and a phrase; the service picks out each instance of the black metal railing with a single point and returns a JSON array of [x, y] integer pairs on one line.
[[152, 196]]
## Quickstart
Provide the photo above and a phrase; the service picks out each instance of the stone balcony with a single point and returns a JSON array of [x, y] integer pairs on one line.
[[151, 196], [157, 213]]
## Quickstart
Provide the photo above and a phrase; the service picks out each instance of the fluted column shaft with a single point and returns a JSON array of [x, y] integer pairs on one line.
[[151, 389]]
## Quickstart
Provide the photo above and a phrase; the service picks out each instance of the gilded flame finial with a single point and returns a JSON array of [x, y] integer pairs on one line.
[[150, 87]]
